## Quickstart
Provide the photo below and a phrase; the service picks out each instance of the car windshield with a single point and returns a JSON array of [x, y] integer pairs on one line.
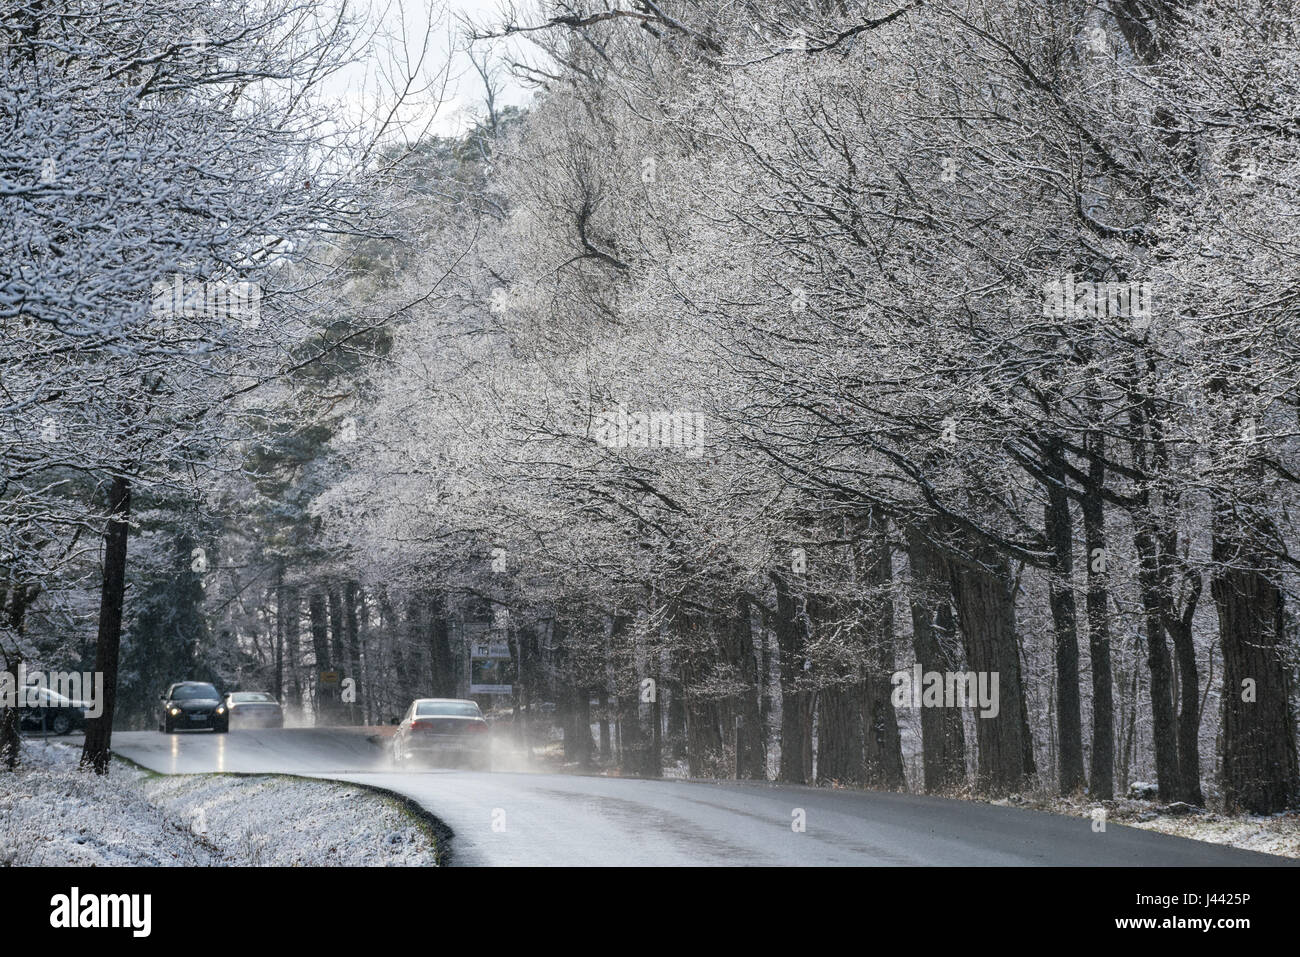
[[181, 692], [459, 709], [251, 696]]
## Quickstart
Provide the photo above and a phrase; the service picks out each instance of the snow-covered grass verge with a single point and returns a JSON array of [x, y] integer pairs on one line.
[[280, 821], [53, 814], [1268, 834], [1274, 834]]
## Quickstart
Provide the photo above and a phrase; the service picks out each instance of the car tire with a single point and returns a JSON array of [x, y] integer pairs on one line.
[[221, 728], [61, 724], [167, 726]]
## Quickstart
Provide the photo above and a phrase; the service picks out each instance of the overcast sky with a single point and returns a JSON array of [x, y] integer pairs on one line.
[[402, 28]]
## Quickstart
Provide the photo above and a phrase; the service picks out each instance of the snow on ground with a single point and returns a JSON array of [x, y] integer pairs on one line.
[[278, 821], [53, 814], [1275, 834], [1268, 834]]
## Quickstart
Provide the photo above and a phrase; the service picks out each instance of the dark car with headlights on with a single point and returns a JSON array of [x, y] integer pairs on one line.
[[253, 709], [193, 704], [444, 729], [53, 713]]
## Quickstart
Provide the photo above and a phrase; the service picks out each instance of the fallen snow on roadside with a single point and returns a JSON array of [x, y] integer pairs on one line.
[[53, 814], [1275, 834], [278, 821], [1268, 834]]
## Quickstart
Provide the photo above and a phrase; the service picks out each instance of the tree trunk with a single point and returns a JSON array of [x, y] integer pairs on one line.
[[943, 734], [1259, 748], [704, 734], [279, 633], [1163, 726], [371, 661], [293, 645], [1103, 704], [10, 738], [1157, 551], [655, 755], [676, 711], [606, 746], [632, 740], [316, 611], [444, 674], [840, 734], [840, 700], [352, 636], [751, 747], [338, 656], [1059, 528], [584, 723], [1189, 710], [795, 697], [10, 718], [1130, 729], [575, 723], [883, 745], [394, 690], [982, 593], [97, 750]]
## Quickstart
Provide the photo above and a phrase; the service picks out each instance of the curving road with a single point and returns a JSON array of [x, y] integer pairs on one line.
[[510, 818]]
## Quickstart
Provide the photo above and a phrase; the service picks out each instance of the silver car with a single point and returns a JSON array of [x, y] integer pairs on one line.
[[253, 709], [440, 729]]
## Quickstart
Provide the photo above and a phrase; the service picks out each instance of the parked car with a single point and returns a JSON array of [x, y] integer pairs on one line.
[[443, 729], [193, 704], [53, 714], [253, 709]]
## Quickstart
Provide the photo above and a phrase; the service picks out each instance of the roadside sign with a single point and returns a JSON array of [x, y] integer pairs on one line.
[[490, 676], [329, 677]]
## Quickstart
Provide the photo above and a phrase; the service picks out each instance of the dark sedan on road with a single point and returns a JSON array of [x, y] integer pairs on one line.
[[253, 709], [193, 704], [443, 728], [53, 714]]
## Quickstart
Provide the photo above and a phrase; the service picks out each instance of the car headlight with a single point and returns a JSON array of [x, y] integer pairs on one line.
[[221, 709], [173, 711]]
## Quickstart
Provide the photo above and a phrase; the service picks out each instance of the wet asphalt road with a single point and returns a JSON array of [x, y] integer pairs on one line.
[[515, 818]]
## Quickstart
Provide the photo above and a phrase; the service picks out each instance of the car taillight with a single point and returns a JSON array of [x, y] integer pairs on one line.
[[479, 726]]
